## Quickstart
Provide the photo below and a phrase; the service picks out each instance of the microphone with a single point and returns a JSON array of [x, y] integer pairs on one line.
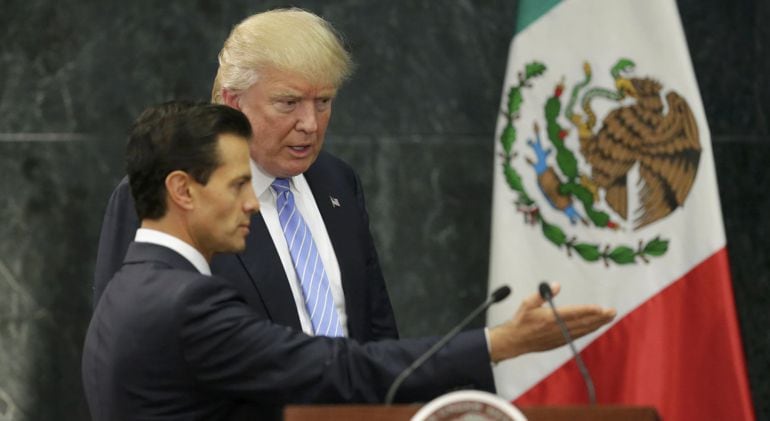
[[497, 296], [547, 295]]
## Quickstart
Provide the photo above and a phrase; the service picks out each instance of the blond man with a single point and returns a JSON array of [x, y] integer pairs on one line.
[[282, 69]]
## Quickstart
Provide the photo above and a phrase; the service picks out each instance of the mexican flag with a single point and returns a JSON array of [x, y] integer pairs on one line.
[[604, 181]]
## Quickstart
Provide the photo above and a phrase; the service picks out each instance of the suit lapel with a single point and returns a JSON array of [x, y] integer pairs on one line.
[[339, 209], [261, 262], [263, 266]]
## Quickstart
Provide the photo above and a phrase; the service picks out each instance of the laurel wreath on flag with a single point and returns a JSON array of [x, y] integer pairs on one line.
[[618, 254]]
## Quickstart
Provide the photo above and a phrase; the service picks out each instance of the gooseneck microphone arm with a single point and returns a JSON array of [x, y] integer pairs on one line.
[[496, 296], [547, 295]]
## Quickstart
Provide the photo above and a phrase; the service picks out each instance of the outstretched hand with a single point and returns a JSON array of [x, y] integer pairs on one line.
[[533, 328]]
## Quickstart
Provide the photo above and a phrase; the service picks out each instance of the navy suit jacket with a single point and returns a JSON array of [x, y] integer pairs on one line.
[[168, 343], [258, 274]]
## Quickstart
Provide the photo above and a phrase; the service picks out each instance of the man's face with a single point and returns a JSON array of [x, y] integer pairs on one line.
[[289, 116], [223, 206]]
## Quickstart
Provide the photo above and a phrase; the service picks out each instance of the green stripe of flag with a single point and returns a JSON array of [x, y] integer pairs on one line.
[[531, 10]]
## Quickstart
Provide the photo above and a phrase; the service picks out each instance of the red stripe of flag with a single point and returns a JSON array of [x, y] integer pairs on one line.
[[680, 352]]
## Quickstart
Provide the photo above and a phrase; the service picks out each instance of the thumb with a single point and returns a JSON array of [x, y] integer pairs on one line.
[[535, 300], [555, 288]]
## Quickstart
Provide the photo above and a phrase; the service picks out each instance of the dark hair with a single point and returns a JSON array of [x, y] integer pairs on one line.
[[176, 135]]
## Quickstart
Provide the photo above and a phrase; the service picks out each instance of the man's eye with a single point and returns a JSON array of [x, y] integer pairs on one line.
[[323, 103], [286, 104]]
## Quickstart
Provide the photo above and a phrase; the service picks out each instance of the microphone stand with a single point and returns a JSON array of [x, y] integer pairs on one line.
[[547, 295], [496, 296]]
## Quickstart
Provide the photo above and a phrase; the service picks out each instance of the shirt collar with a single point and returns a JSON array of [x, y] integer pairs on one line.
[[260, 180], [147, 235]]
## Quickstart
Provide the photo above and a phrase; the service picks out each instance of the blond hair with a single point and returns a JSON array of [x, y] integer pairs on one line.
[[291, 40]]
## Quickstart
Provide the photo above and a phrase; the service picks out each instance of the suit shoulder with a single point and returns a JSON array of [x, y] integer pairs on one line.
[[122, 201], [123, 189], [204, 285], [330, 170], [193, 284], [174, 284], [201, 294], [328, 162]]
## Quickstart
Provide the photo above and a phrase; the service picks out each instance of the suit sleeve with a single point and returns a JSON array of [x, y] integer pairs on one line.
[[382, 321], [232, 351], [118, 230]]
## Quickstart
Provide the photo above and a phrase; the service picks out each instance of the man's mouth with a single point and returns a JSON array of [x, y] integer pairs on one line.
[[301, 152]]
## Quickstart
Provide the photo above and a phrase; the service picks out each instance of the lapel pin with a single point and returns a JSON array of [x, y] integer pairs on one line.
[[335, 202]]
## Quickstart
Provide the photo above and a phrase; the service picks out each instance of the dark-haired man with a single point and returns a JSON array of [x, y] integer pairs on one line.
[[168, 341]]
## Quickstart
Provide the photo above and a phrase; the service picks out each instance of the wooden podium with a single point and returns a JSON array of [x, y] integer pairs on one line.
[[533, 413]]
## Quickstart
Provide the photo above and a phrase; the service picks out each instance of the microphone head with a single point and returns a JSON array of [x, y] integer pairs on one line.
[[501, 293], [545, 291]]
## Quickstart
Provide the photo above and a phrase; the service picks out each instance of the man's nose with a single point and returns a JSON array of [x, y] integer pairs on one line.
[[251, 204], [307, 119]]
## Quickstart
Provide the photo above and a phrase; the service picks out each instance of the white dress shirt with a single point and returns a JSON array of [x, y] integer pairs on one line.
[[306, 205], [146, 235]]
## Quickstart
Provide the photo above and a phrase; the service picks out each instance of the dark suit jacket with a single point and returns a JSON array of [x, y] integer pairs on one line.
[[168, 343], [257, 273]]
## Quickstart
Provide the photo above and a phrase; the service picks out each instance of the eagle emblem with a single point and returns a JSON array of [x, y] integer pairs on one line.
[[644, 151]]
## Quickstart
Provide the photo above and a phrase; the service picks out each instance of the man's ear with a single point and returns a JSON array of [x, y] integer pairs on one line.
[[231, 99], [178, 185]]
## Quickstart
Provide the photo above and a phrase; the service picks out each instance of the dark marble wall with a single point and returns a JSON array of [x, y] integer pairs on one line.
[[417, 120], [730, 48]]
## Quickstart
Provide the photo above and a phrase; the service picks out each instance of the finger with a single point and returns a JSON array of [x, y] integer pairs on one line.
[[578, 332], [571, 312], [533, 301], [536, 300], [589, 323]]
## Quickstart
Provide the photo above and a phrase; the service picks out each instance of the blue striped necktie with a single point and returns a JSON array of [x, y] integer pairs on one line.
[[307, 263]]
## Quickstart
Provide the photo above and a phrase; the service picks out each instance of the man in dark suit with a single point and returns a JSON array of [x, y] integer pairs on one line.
[[282, 69], [168, 341]]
